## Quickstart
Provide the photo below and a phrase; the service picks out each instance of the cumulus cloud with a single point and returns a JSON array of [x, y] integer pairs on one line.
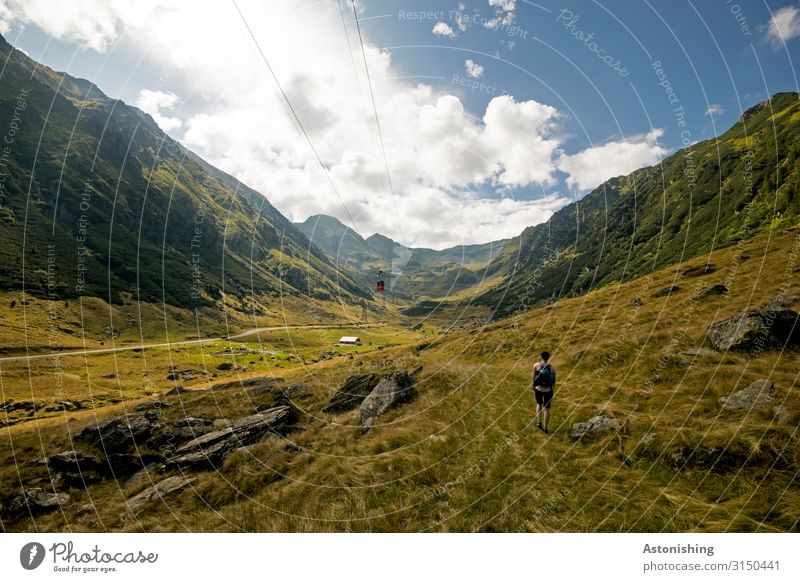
[[474, 70], [593, 166], [457, 176], [69, 22], [153, 102], [504, 13], [784, 26], [714, 110], [443, 29]]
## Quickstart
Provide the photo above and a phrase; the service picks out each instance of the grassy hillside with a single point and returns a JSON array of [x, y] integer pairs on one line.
[[707, 196], [465, 456], [97, 201]]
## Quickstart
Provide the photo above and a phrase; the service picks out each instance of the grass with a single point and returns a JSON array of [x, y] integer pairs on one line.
[[464, 455]]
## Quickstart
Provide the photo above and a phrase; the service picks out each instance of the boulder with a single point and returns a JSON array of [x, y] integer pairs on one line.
[[75, 461], [712, 291], [118, 434], [119, 465], [667, 291], [36, 500], [759, 395], [225, 366], [208, 450], [578, 356], [768, 326], [392, 390], [352, 393], [699, 270], [158, 491], [594, 426]]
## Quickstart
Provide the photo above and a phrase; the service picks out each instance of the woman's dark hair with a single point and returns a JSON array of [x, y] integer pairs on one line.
[[545, 356]]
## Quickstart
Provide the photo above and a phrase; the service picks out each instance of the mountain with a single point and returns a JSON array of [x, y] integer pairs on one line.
[[414, 272], [96, 200], [710, 195]]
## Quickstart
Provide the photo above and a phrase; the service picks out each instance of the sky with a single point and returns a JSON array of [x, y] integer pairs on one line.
[[435, 123]]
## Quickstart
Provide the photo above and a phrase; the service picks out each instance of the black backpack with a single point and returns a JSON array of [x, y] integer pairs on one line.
[[545, 377]]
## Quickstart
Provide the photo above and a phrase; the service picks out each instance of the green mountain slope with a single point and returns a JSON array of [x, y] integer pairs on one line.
[[96, 200], [415, 272], [710, 195]]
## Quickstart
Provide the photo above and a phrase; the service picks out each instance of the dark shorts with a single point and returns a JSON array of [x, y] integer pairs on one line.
[[543, 398]]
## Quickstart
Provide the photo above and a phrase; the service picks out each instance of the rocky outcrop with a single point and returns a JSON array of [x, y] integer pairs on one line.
[[208, 451], [594, 426], [392, 390], [158, 491], [35, 501], [352, 393], [760, 395], [769, 326], [255, 384], [119, 433], [712, 291], [666, 291]]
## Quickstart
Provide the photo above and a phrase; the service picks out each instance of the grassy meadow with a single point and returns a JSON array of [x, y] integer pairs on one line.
[[465, 455]]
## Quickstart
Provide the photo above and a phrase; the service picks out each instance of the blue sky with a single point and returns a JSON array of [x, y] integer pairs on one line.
[[494, 113]]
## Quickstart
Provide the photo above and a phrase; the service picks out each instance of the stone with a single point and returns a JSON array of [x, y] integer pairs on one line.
[[666, 291], [225, 366], [119, 433], [352, 393], [578, 356], [75, 461], [36, 500], [594, 426], [768, 326], [759, 395], [712, 291], [392, 390], [208, 451], [120, 465], [699, 270], [638, 302], [159, 491]]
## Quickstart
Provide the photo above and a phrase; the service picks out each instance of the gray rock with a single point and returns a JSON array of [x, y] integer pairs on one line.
[[594, 426], [712, 291], [208, 450], [769, 326], [578, 356], [36, 500], [352, 393], [159, 491], [225, 366], [75, 461], [759, 395], [667, 291], [392, 390], [119, 433]]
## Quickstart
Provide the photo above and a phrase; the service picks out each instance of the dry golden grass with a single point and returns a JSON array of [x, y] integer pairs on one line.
[[465, 456]]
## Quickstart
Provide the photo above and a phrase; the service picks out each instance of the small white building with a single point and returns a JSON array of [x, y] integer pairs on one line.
[[350, 341]]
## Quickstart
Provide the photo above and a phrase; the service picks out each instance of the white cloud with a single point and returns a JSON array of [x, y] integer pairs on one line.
[[784, 26], [714, 109], [153, 102], [455, 175], [443, 29], [474, 70], [504, 14], [68, 21], [594, 165]]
